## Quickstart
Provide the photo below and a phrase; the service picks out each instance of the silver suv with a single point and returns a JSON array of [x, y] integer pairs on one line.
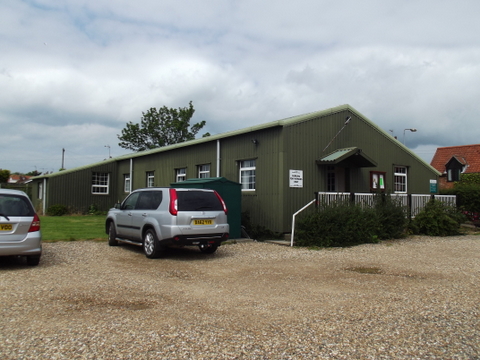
[[157, 218], [19, 227]]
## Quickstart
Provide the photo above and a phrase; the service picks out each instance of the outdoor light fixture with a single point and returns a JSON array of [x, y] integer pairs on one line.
[[255, 141], [412, 130]]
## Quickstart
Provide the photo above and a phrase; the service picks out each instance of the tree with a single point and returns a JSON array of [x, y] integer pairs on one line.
[[159, 128], [4, 176]]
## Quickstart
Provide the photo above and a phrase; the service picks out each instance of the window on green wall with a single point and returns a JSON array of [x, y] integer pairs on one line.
[[248, 174], [203, 171], [180, 174], [150, 179], [40, 191], [100, 183], [126, 183], [400, 179]]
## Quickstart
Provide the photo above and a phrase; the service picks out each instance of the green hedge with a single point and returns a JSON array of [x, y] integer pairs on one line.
[[437, 219], [57, 210], [344, 224]]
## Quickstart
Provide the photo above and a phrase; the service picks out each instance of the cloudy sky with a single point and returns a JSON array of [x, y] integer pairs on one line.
[[74, 72]]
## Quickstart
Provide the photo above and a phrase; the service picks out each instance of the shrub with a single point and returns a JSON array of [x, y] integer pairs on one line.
[[338, 224], [94, 210], [437, 219], [57, 210], [468, 197], [344, 224], [391, 217]]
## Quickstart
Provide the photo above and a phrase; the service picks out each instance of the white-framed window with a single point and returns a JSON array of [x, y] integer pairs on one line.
[[126, 183], [400, 179], [40, 190], [203, 171], [150, 178], [181, 174], [100, 183], [247, 174]]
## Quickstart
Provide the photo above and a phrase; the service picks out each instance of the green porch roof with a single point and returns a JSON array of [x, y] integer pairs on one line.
[[348, 156]]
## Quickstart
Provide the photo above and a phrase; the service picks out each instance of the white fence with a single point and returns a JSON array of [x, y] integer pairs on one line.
[[413, 202]]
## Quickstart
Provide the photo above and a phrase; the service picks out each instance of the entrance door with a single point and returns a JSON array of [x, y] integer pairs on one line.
[[338, 179]]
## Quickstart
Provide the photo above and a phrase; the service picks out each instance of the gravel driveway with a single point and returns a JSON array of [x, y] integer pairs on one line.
[[409, 299]]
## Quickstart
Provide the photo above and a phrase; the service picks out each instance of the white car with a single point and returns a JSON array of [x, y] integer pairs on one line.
[[157, 218], [19, 227]]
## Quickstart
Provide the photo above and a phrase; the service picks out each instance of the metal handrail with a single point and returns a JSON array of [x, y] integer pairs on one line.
[[293, 220]]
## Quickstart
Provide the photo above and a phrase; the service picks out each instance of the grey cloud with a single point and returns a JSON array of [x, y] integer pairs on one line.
[[410, 64]]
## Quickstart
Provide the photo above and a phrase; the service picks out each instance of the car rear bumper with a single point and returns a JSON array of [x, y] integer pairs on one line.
[[203, 239], [31, 245]]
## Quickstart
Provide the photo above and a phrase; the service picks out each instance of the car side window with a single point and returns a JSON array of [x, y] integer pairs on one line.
[[157, 197], [130, 202], [149, 200]]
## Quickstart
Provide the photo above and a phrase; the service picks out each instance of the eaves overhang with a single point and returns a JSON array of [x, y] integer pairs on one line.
[[351, 156]]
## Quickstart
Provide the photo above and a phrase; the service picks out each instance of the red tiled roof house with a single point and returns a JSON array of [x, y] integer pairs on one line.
[[18, 179], [452, 161]]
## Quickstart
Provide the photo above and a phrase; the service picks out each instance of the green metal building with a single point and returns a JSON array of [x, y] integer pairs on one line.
[[279, 164]]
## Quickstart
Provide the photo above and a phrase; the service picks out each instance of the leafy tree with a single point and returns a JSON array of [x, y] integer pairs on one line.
[[4, 175], [469, 179], [159, 128], [34, 173]]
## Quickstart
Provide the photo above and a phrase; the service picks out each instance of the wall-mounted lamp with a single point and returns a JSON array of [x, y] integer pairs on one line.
[[255, 141], [412, 130]]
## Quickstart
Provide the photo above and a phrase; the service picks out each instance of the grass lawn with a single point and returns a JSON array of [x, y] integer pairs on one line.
[[71, 228]]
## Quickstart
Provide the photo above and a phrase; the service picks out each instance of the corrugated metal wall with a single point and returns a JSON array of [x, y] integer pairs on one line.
[[265, 204], [74, 189], [304, 144], [164, 165], [277, 149], [307, 141]]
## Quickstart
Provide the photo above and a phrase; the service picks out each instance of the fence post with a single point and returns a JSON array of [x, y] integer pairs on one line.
[[409, 206]]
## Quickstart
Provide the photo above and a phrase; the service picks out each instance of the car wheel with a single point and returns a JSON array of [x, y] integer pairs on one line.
[[208, 249], [151, 247], [112, 235], [33, 260]]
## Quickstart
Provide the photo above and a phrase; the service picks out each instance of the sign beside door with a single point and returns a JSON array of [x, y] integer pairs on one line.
[[296, 178]]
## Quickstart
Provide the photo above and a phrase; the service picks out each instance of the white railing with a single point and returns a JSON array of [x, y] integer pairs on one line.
[[293, 220], [414, 202]]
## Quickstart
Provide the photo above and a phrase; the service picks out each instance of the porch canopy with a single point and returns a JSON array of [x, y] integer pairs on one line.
[[347, 157]]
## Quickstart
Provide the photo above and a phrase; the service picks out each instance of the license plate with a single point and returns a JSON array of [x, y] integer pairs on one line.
[[203, 222], [5, 227]]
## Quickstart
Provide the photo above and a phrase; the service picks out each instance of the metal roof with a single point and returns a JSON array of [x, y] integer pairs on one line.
[[278, 123], [351, 155]]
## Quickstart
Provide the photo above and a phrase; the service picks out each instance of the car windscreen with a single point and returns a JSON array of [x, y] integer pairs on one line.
[[198, 201], [14, 205]]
